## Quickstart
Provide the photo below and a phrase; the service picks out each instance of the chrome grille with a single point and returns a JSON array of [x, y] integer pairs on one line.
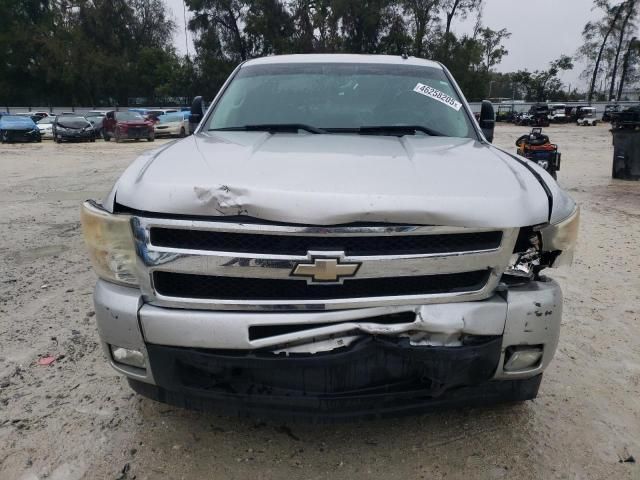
[[234, 266], [239, 288], [300, 245]]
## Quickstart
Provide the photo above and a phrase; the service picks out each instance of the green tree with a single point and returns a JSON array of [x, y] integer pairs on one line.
[[492, 48], [630, 9], [595, 33], [461, 8], [541, 85], [420, 13], [25, 27], [269, 28]]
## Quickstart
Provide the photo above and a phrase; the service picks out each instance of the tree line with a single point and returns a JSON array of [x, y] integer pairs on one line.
[[105, 52], [230, 31], [611, 49]]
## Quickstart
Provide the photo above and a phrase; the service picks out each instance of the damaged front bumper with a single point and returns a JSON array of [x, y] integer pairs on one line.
[[360, 362]]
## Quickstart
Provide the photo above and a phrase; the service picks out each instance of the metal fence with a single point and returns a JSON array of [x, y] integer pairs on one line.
[[78, 110], [525, 106]]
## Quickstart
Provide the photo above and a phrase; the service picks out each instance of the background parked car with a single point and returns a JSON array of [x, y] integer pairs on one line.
[[161, 111], [32, 115], [587, 117], [558, 113], [73, 128], [124, 125], [16, 128], [173, 124], [45, 125], [609, 111], [96, 119]]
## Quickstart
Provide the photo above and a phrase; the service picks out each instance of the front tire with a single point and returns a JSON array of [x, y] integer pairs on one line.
[[182, 133], [117, 136]]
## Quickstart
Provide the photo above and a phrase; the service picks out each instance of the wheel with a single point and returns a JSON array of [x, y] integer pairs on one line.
[[150, 139], [117, 136], [137, 139], [93, 140], [106, 137], [58, 139], [3, 137], [182, 132]]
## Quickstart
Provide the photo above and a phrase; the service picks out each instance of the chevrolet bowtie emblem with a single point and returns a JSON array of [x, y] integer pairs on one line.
[[325, 270]]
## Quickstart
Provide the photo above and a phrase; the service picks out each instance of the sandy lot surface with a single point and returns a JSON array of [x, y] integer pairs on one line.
[[78, 419]]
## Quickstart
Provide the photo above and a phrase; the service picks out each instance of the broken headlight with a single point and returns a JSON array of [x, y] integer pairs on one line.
[[110, 244], [559, 239], [541, 247], [525, 262]]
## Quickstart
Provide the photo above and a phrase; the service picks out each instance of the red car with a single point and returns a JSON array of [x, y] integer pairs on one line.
[[124, 125]]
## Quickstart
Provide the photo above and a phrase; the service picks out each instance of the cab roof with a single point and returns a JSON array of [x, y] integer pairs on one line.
[[342, 58]]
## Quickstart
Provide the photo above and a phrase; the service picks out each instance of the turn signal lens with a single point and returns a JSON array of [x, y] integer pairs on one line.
[[562, 237]]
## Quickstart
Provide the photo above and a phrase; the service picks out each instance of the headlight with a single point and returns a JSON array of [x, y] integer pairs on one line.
[[110, 243], [560, 238]]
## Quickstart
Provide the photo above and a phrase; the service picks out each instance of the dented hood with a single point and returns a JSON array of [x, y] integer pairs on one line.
[[335, 179]]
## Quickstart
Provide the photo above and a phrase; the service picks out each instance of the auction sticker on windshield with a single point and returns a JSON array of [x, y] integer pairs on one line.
[[436, 94]]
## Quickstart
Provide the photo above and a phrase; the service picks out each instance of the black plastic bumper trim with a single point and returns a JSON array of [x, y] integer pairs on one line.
[[372, 378]]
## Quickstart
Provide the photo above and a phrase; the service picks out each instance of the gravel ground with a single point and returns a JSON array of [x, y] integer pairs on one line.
[[77, 419]]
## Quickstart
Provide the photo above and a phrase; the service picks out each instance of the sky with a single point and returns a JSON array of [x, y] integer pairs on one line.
[[542, 30]]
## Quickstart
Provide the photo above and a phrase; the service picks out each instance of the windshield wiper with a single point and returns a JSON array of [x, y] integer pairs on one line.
[[397, 130], [272, 127]]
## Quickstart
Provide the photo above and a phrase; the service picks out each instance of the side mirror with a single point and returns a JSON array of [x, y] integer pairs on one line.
[[487, 120], [197, 112]]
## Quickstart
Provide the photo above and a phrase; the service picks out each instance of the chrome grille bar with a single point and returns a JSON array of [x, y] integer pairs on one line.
[[153, 258]]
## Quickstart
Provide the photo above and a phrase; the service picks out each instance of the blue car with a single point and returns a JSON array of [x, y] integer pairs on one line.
[[15, 128]]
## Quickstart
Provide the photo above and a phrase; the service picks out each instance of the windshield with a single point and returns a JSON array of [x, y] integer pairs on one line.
[[72, 122], [171, 117], [15, 119], [128, 116], [342, 96]]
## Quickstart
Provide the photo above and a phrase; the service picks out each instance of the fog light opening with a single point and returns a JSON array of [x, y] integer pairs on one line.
[[525, 357], [127, 356]]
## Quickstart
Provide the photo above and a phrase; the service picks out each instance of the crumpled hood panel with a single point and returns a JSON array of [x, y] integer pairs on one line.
[[335, 179]]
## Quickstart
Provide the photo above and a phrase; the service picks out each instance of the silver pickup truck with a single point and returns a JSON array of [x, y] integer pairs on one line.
[[339, 238]]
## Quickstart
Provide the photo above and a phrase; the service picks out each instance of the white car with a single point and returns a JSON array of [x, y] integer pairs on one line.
[[587, 117], [45, 125], [558, 113], [173, 124], [33, 114]]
